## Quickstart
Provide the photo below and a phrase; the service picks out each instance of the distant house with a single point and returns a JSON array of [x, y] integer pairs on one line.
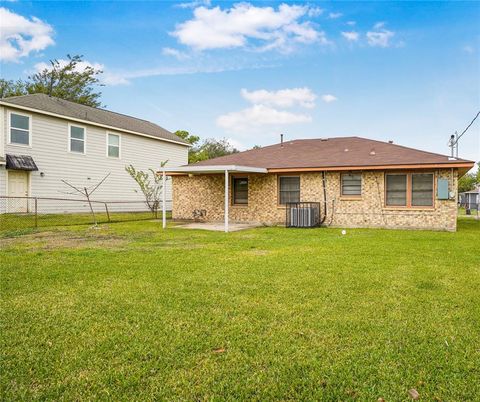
[[350, 182], [44, 140], [470, 199]]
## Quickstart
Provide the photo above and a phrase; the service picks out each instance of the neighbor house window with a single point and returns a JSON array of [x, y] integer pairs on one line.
[[289, 189], [113, 145], [240, 191], [19, 129], [409, 190], [77, 139], [351, 184]]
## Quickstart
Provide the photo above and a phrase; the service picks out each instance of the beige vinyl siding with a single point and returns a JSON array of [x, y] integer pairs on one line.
[[50, 151]]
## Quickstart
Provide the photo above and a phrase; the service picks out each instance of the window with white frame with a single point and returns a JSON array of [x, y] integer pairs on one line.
[[77, 139], [113, 145], [19, 129]]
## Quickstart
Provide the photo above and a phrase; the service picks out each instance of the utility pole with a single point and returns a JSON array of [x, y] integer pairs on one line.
[[453, 142]]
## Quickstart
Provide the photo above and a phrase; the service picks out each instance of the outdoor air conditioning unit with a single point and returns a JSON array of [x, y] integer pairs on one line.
[[303, 217]]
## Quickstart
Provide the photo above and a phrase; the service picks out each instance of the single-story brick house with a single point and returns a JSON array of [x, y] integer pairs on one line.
[[355, 182]]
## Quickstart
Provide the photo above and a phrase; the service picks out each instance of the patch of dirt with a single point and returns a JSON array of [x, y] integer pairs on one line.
[[258, 252], [63, 240], [171, 244]]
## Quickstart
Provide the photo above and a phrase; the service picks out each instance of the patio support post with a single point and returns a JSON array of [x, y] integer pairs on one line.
[[226, 200], [164, 203]]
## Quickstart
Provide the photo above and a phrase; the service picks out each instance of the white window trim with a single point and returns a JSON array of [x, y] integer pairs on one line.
[[119, 145], [70, 125], [9, 127]]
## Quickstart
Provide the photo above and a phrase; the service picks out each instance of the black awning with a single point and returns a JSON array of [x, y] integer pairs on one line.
[[20, 162]]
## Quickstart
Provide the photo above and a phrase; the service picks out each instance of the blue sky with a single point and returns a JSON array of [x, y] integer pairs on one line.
[[405, 71]]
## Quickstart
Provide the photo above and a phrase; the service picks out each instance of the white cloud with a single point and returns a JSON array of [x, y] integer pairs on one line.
[[334, 16], [380, 37], [351, 23], [243, 23], [193, 4], [63, 62], [266, 110], [315, 11], [328, 98], [178, 54], [107, 77], [124, 77], [468, 49], [236, 144], [257, 116], [351, 36], [283, 98], [20, 36]]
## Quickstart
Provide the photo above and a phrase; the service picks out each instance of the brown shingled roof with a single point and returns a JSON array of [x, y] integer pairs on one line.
[[331, 152], [51, 104]]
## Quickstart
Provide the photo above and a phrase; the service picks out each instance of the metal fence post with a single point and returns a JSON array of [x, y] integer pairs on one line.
[[36, 212], [108, 214]]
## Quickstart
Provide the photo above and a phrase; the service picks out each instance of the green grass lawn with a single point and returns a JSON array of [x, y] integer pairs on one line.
[[131, 312], [15, 222]]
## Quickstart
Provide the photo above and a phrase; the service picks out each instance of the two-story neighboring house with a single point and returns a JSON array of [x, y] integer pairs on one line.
[[44, 140]]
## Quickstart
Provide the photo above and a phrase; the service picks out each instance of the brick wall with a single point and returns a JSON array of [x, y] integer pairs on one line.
[[206, 192]]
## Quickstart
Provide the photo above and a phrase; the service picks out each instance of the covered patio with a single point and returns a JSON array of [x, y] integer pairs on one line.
[[227, 170]]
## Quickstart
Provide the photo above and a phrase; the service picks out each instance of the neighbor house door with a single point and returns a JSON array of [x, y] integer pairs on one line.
[[17, 187]]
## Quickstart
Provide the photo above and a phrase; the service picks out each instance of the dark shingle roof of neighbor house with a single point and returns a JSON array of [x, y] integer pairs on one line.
[[50, 104], [331, 152]]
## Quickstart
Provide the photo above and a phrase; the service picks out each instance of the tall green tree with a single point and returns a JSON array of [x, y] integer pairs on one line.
[[12, 88], [208, 149], [74, 80], [466, 182], [190, 138], [469, 181], [212, 148], [71, 81]]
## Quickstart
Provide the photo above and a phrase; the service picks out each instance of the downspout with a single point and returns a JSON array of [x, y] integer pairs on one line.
[[324, 198]]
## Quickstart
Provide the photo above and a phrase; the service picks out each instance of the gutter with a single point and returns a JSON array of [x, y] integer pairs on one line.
[[465, 164]]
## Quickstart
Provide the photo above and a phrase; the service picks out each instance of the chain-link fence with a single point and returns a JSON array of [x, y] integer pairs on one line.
[[30, 212]]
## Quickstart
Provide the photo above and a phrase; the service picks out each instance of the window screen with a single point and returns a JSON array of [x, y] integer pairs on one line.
[[396, 189], [352, 184], [289, 189], [422, 189], [240, 190]]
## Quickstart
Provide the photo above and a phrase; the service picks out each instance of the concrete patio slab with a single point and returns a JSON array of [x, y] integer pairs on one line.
[[217, 226]]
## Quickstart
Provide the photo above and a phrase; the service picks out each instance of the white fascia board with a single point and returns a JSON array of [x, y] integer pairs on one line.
[[61, 116], [216, 169]]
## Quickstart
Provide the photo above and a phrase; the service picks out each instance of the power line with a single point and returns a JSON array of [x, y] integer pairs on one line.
[[464, 131], [453, 143]]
